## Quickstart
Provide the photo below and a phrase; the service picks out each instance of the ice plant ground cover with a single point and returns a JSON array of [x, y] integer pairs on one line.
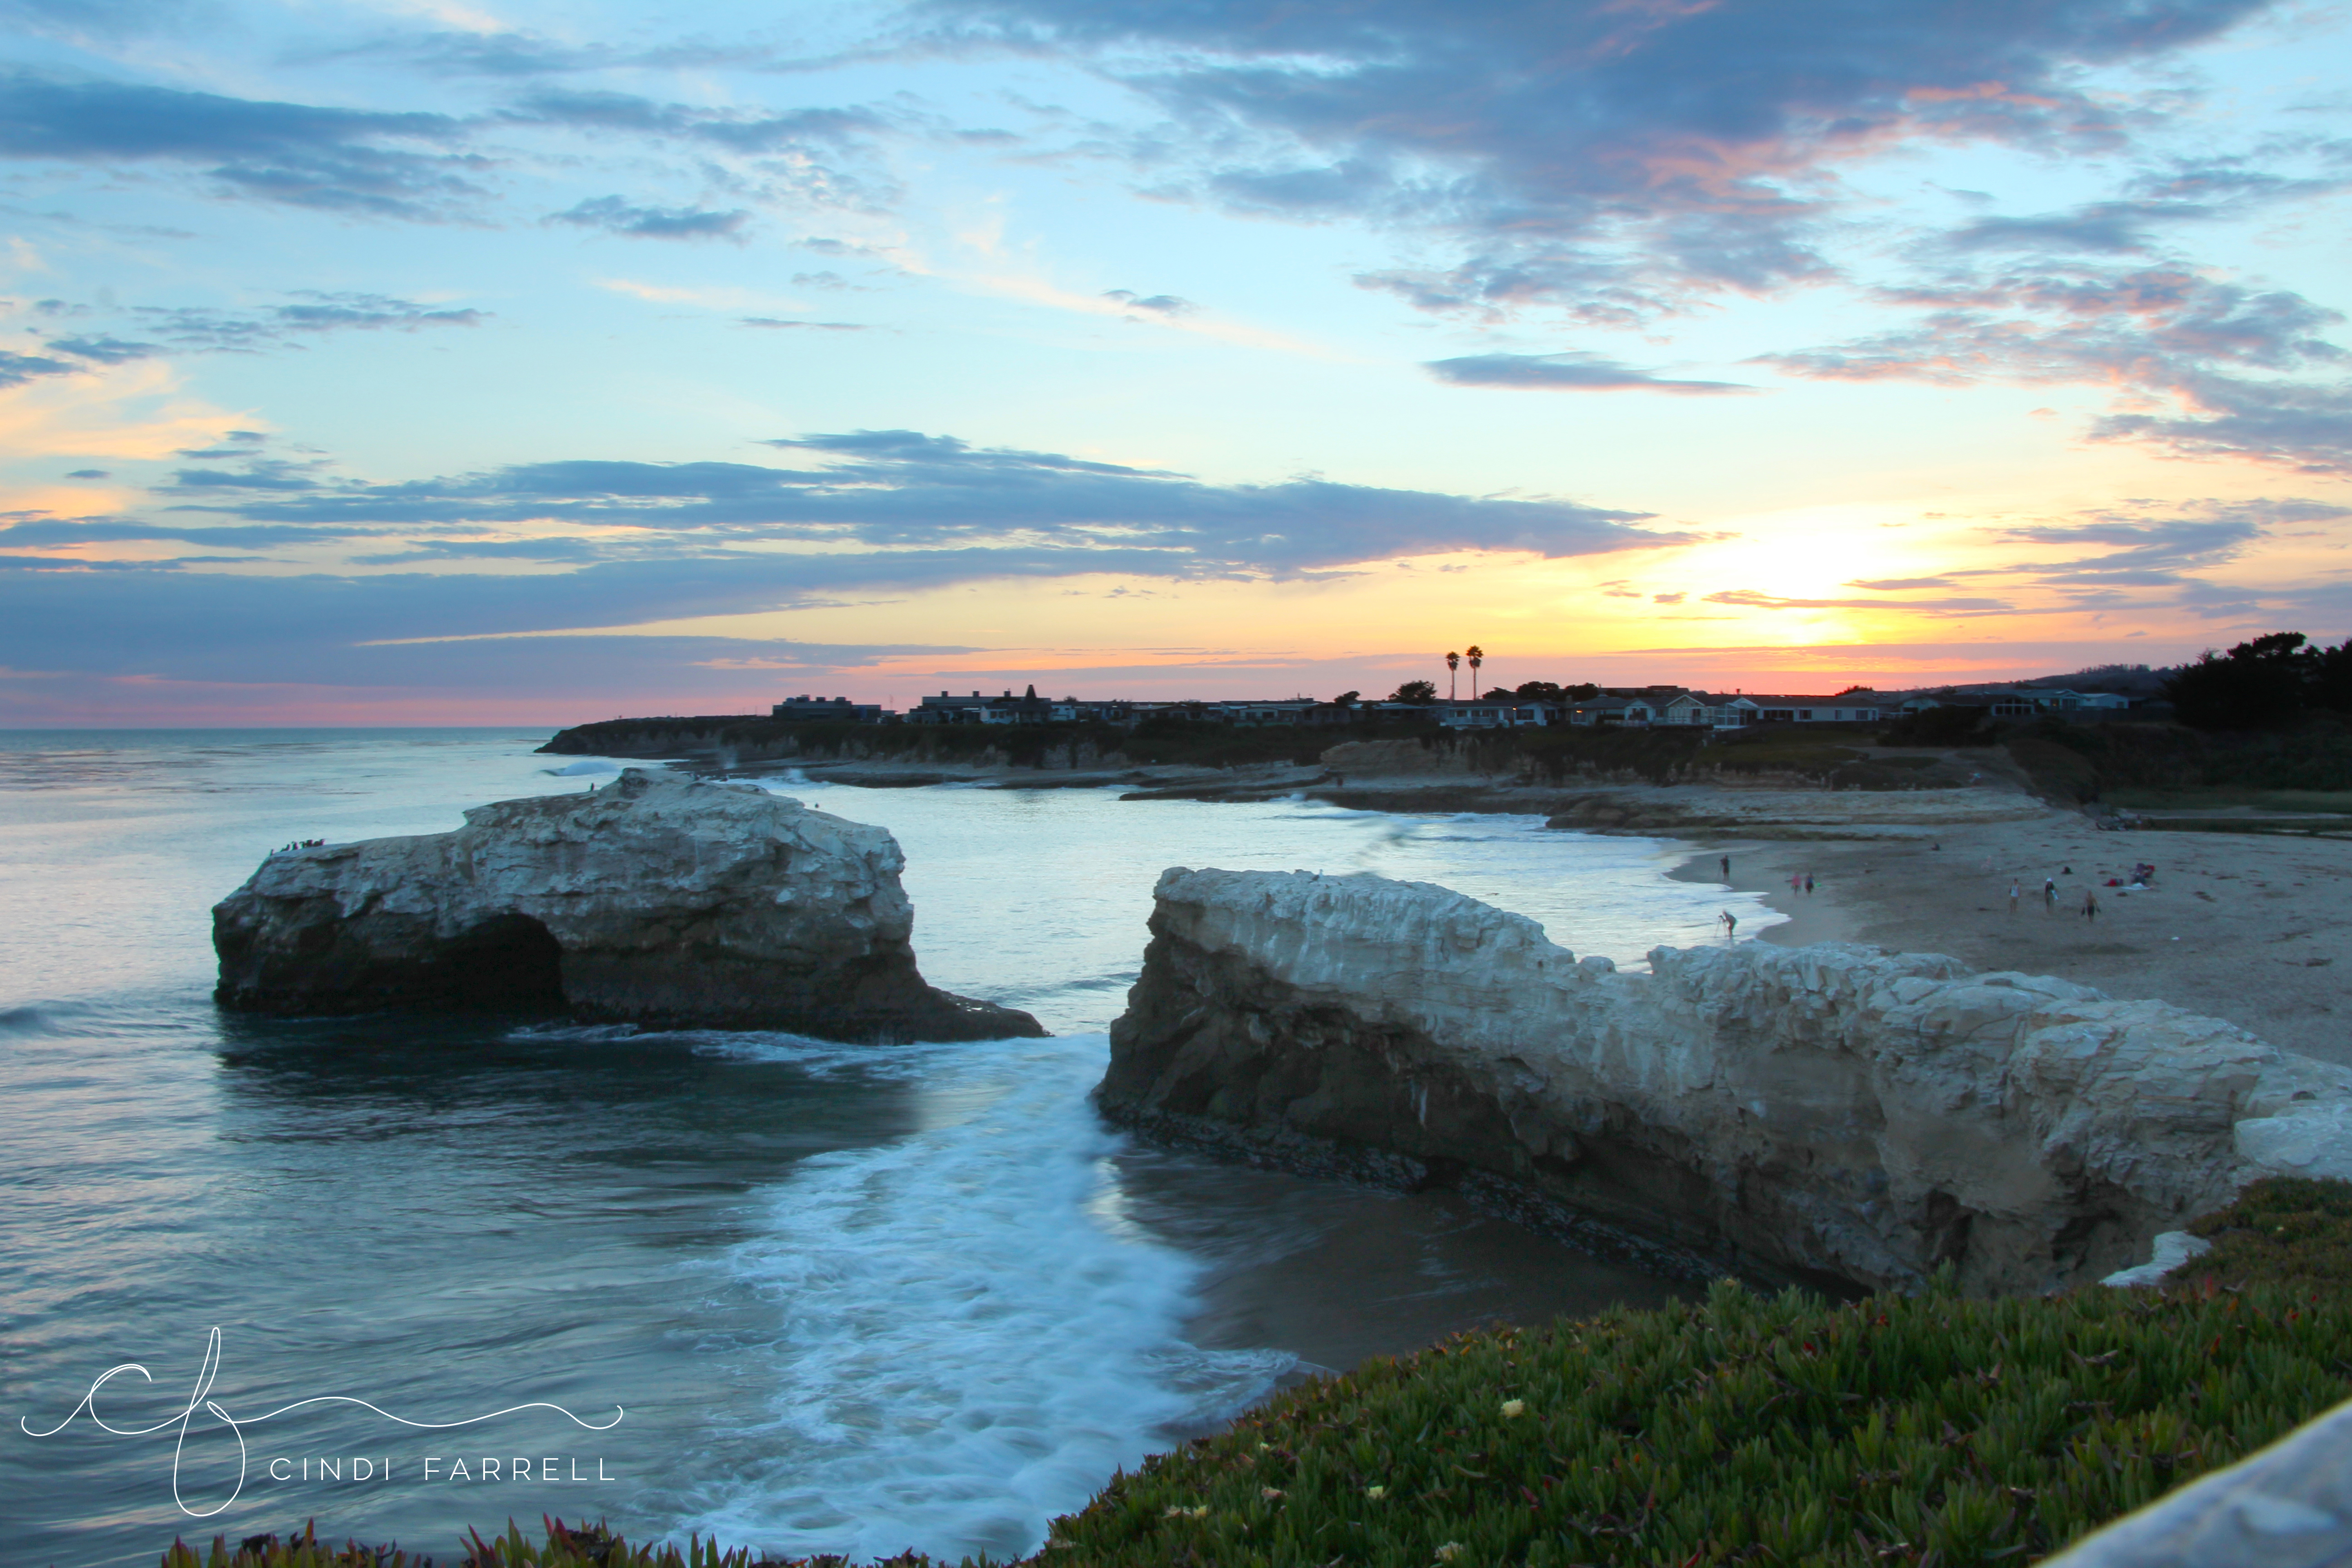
[[1917, 1429]]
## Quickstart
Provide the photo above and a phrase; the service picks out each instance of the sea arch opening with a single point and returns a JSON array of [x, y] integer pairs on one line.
[[509, 964]]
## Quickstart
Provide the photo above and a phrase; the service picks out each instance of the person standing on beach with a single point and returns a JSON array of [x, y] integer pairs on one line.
[[1809, 882], [2012, 900], [2050, 895], [1730, 926], [1726, 867], [2090, 904]]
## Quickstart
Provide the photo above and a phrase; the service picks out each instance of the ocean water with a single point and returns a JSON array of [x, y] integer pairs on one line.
[[811, 1297]]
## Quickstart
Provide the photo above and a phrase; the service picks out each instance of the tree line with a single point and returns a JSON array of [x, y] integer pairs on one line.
[[1525, 691], [2263, 684]]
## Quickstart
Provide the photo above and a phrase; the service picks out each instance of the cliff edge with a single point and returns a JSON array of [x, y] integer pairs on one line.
[[1826, 1113], [658, 897]]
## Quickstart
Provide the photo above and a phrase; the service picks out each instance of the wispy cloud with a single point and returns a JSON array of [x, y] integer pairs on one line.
[[2163, 331], [774, 323], [2142, 550], [405, 164], [17, 369], [1568, 371], [616, 215], [1158, 304], [165, 329], [1752, 599]]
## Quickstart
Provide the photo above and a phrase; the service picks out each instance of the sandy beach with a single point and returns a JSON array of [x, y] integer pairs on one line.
[[2255, 929]]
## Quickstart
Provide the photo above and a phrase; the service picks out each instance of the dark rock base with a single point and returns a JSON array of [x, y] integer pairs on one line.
[[512, 964]]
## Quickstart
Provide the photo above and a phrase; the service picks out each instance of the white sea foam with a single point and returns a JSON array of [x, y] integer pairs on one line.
[[968, 1337], [578, 770]]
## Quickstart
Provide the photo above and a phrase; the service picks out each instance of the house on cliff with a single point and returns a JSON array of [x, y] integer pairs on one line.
[[1844, 708], [1007, 709]]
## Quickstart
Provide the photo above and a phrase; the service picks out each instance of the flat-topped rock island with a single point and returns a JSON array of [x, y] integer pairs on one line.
[[657, 899]]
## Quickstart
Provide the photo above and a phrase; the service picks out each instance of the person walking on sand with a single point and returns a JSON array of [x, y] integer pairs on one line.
[[2012, 900], [1726, 867], [1809, 882], [2090, 904]]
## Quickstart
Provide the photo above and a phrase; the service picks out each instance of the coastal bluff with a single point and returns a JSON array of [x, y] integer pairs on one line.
[[1831, 1114], [656, 899]]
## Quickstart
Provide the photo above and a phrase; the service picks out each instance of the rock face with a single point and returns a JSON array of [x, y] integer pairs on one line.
[[1827, 1113], [657, 898]]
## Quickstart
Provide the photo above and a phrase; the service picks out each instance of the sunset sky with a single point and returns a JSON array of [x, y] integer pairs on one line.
[[497, 360]]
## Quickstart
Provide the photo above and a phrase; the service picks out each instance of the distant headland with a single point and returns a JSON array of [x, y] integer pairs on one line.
[[1414, 706]]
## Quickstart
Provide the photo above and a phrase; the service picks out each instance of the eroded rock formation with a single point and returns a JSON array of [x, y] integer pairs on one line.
[[657, 898], [1832, 1113]]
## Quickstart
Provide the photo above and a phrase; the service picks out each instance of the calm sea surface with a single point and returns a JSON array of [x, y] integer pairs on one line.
[[850, 1300]]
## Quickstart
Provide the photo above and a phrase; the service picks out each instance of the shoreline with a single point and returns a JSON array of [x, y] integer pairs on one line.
[[2255, 931], [1763, 868]]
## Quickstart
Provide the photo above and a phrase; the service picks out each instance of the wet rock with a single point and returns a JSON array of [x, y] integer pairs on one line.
[[658, 898]]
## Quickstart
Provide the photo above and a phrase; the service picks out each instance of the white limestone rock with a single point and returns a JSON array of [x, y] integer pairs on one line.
[[1833, 1111], [658, 897]]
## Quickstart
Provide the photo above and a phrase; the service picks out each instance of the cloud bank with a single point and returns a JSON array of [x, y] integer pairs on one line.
[[607, 544], [1604, 158]]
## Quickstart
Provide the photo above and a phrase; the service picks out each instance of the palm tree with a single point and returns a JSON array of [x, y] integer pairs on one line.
[[1453, 663], [1477, 656]]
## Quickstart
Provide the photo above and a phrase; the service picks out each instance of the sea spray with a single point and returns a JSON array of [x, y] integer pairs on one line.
[[968, 1334]]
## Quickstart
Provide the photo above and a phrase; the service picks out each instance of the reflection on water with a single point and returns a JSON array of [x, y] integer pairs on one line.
[[850, 1298]]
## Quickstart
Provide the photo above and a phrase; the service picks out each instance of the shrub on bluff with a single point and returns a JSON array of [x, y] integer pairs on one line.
[[658, 897], [1832, 1112]]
